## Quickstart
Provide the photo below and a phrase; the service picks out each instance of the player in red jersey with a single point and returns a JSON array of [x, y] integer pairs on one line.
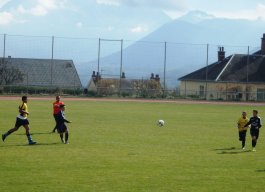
[[56, 110]]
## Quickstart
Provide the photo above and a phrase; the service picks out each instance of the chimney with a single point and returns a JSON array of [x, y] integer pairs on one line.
[[263, 45], [157, 78], [94, 74], [9, 59], [123, 75], [152, 76], [221, 54]]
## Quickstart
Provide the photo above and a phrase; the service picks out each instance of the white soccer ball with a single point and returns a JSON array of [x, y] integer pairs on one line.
[[161, 123]]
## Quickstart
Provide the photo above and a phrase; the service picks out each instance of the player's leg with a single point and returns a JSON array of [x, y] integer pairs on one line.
[[239, 135], [60, 130], [255, 139], [10, 131], [243, 139], [31, 142], [61, 136], [254, 134], [55, 118], [66, 136], [254, 142]]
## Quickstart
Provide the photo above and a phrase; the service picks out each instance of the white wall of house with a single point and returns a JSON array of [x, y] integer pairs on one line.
[[223, 91]]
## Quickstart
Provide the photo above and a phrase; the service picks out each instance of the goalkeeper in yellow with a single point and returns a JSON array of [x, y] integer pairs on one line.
[[242, 131]]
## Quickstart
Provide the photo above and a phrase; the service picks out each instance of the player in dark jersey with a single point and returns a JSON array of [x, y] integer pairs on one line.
[[56, 110], [255, 123], [61, 126], [21, 120]]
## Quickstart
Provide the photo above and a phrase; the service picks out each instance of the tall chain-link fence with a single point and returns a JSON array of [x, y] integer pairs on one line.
[[106, 67]]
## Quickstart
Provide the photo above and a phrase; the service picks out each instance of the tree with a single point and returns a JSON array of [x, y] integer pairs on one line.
[[9, 75]]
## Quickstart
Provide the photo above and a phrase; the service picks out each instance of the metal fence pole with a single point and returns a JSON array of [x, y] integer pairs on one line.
[[121, 65], [165, 66], [99, 42], [4, 51], [97, 75], [247, 64], [246, 90], [52, 61], [206, 76]]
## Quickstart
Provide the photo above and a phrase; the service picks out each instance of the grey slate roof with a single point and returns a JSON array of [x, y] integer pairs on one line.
[[235, 68], [45, 72]]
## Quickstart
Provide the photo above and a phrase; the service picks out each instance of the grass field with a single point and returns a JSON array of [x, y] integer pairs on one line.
[[116, 146]]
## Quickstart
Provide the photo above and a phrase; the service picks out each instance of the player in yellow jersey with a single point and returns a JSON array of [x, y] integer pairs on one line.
[[22, 120], [242, 131]]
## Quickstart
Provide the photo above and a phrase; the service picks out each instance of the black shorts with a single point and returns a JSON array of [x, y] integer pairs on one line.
[[242, 135], [254, 132], [61, 128], [21, 122]]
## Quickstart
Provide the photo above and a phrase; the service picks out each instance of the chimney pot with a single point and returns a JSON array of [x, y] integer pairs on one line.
[[263, 45], [123, 75], [152, 76], [221, 54]]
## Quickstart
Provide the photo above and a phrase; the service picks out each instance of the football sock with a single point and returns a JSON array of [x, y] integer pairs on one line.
[[61, 136], [7, 133], [66, 137], [243, 143], [254, 142], [29, 137]]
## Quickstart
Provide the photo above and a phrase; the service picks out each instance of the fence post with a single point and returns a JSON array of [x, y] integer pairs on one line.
[[52, 61], [246, 94], [206, 76], [99, 42], [165, 66], [97, 75], [247, 64], [4, 51], [121, 63]]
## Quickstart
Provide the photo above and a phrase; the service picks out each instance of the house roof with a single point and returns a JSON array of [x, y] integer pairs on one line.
[[46, 72], [235, 68]]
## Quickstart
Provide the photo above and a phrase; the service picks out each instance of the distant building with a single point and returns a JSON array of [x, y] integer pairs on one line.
[[45, 72], [236, 77], [109, 86]]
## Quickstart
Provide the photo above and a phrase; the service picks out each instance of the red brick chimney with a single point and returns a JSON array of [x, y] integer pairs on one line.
[[263, 45], [221, 54]]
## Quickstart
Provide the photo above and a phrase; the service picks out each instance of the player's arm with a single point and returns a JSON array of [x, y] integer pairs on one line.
[[238, 123], [65, 120], [260, 125], [24, 112], [249, 122], [21, 110]]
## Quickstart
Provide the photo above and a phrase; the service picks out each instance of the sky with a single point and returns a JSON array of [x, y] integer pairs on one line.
[[128, 19]]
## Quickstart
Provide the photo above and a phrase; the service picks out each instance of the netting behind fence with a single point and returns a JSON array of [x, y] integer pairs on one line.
[[71, 63]]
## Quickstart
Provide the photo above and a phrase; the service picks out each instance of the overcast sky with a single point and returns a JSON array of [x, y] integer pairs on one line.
[[131, 18]]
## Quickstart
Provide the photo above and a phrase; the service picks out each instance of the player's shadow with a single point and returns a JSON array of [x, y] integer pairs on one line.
[[225, 149], [231, 151], [37, 133], [27, 145], [260, 171]]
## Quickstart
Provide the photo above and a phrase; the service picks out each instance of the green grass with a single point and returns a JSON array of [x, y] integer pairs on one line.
[[116, 146]]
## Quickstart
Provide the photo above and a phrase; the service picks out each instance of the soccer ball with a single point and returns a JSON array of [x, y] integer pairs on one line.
[[160, 123]]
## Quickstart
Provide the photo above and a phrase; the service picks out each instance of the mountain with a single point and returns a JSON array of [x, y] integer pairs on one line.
[[196, 17], [187, 39], [80, 18]]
